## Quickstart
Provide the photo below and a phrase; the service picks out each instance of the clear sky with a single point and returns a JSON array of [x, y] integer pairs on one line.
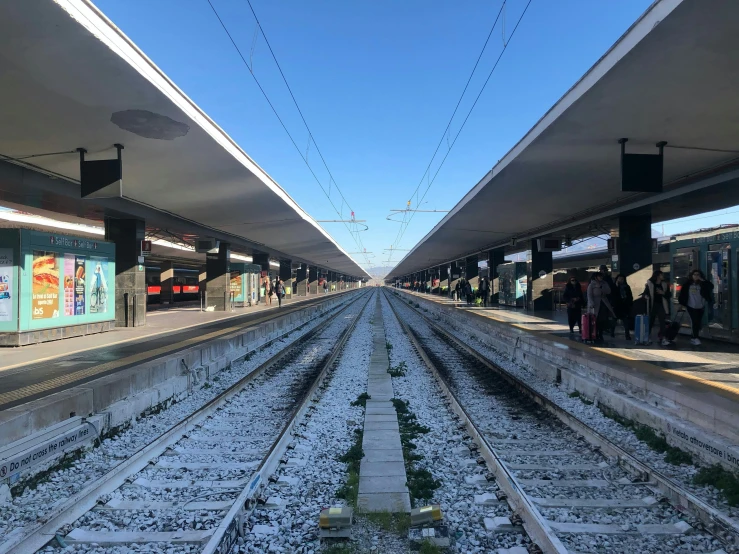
[[377, 82]]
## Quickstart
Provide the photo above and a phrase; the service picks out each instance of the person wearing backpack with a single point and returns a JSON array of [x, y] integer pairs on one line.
[[694, 296]]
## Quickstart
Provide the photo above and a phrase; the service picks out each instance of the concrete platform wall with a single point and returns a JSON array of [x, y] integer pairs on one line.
[[686, 419], [125, 395]]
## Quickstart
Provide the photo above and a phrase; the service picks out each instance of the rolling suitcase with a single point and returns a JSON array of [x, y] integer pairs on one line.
[[587, 327], [641, 329]]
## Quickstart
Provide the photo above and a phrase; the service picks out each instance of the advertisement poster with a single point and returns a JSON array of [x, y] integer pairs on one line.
[[79, 285], [6, 284], [236, 284], [45, 286], [97, 285], [68, 284], [236, 281]]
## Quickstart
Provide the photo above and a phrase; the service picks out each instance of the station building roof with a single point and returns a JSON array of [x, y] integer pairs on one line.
[[673, 76], [72, 79]]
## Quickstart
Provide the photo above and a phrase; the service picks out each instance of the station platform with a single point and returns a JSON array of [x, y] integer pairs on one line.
[[688, 392], [713, 363], [31, 372]]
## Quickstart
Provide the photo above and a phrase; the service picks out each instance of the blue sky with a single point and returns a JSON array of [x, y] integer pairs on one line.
[[377, 82]]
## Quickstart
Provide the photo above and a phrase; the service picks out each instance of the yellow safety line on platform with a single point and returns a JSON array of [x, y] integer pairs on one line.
[[617, 354], [715, 384], [123, 341]]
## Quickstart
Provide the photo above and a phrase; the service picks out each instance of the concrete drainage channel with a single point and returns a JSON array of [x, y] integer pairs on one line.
[[574, 493], [180, 471]]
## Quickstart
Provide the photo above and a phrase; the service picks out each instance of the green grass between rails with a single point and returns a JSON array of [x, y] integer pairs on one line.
[[421, 483], [653, 440], [723, 479]]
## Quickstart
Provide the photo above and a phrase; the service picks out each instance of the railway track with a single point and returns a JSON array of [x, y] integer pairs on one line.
[[192, 488], [574, 489]]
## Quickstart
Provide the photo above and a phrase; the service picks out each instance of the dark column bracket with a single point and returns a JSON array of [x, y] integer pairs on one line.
[[101, 178], [641, 172]]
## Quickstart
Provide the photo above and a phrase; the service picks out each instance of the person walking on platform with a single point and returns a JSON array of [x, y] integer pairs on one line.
[[575, 300], [268, 290], [468, 292], [457, 290], [484, 291], [695, 295], [622, 300], [657, 304], [280, 292], [608, 280], [598, 293]]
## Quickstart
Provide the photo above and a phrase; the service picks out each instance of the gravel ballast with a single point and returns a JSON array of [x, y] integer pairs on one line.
[[34, 504]]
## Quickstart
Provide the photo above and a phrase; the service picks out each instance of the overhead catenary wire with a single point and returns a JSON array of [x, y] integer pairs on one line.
[[487, 80], [456, 108], [353, 233], [311, 138]]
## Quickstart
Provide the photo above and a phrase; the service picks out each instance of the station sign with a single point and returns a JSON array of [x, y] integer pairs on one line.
[[145, 248]]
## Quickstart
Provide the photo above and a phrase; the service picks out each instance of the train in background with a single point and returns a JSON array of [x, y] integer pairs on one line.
[[584, 264], [186, 285], [713, 251]]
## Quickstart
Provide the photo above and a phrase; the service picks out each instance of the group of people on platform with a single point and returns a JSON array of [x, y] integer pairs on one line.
[[463, 291], [613, 301], [275, 287]]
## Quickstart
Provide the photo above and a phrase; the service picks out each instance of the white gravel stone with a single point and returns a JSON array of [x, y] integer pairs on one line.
[[446, 453], [514, 429], [33, 505], [307, 487]]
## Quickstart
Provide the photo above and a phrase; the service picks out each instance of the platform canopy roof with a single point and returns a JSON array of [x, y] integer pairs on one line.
[[673, 76], [71, 79]]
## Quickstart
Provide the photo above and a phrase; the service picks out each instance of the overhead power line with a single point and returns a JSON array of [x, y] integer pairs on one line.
[[404, 227], [249, 66], [445, 134]]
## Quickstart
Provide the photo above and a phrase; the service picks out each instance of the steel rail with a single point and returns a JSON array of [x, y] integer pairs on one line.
[[82, 502], [231, 527], [717, 523], [534, 523]]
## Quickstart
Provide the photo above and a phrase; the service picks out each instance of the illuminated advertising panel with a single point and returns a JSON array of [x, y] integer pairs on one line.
[[6, 284], [44, 286]]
